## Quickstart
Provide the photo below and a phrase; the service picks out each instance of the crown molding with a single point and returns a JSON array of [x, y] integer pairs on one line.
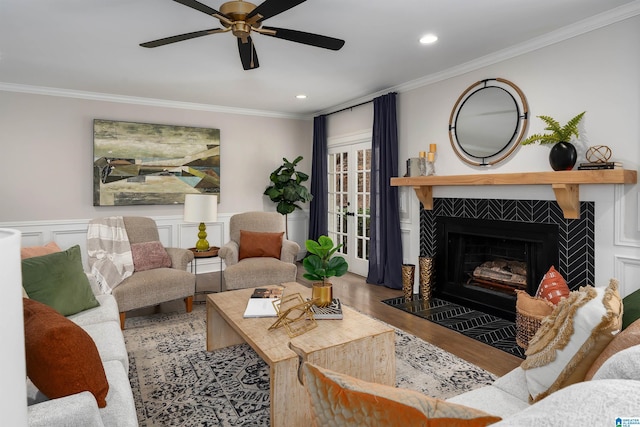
[[152, 102], [582, 27]]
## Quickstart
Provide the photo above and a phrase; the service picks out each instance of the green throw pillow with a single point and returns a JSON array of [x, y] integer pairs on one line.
[[631, 306], [59, 281]]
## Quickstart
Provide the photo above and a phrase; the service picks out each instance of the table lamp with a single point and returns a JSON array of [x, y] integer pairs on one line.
[[201, 208]]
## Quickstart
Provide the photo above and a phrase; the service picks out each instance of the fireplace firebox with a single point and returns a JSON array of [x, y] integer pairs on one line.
[[481, 263]]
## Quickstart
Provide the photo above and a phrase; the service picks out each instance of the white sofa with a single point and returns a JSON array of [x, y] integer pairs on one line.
[[103, 325], [614, 392]]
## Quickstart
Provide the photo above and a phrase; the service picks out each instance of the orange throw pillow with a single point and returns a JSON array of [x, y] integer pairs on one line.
[[31, 251], [255, 244], [61, 357], [341, 400], [553, 287]]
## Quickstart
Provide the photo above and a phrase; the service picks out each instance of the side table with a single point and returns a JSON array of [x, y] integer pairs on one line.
[[211, 253]]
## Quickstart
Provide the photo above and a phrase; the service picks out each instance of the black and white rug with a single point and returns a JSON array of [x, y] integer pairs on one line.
[[483, 327], [176, 382]]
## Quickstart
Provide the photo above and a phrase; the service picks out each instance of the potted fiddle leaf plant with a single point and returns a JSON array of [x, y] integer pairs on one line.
[[563, 154], [286, 188], [321, 264]]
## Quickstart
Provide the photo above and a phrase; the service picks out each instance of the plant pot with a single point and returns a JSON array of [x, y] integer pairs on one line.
[[563, 156], [322, 293]]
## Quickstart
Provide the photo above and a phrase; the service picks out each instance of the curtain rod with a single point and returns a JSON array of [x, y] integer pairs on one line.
[[349, 108]]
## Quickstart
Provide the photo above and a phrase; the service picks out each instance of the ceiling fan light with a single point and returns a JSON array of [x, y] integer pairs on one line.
[[428, 39]]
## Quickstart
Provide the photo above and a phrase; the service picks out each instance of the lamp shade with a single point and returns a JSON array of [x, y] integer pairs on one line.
[[200, 208]]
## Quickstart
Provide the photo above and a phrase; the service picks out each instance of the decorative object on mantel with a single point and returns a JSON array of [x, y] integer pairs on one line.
[[563, 155], [320, 265], [598, 158], [426, 276], [598, 154], [431, 158], [408, 274]]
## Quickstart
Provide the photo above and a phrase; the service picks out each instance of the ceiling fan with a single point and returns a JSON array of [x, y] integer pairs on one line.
[[241, 18]]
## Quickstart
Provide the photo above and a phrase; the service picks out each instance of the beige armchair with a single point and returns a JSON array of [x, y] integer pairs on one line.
[[263, 270], [154, 286]]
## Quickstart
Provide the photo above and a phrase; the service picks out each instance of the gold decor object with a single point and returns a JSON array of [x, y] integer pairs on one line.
[[598, 154], [294, 313], [408, 274], [321, 293], [426, 277]]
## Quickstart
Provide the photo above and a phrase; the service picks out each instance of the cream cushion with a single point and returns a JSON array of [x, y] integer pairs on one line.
[[571, 338]]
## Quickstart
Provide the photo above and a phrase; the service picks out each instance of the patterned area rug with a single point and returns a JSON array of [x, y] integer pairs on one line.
[[176, 382], [486, 328]]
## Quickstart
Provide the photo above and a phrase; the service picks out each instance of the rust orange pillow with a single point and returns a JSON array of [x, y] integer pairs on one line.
[[340, 400], [256, 244], [553, 287], [61, 357]]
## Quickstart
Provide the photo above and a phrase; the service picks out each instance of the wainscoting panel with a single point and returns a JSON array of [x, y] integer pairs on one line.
[[173, 232], [627, 271]]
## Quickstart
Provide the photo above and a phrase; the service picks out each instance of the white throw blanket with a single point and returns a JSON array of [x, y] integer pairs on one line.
[[109, 252]]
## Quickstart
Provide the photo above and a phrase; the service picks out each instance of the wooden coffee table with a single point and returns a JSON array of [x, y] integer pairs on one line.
[[357, 345]]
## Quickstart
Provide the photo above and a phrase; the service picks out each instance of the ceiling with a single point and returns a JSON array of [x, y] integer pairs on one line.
[[92, 46]]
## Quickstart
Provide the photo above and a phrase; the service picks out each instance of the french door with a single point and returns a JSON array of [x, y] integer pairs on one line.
[[349, 170]]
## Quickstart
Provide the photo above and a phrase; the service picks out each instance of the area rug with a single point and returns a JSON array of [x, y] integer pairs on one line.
[[483, 327], [176, 382]]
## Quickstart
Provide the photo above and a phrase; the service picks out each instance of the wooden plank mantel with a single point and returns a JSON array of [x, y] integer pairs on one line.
[[565, 184]]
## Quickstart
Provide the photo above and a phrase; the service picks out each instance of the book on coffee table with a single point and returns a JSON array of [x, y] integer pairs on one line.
[[332, 311], [260, 303]]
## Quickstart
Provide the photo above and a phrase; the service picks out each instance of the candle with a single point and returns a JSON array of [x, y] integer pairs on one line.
[[432, 148], [431, 156], [423, 154]]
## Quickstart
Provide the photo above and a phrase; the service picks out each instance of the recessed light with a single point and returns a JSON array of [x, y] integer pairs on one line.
[[428, 39], [301, 96]]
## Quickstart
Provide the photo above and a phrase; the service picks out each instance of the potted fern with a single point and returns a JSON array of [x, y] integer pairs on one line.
[[320, 265], [563, 154]]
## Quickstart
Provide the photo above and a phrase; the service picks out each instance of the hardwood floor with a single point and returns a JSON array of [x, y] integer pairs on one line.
[[353, 291]]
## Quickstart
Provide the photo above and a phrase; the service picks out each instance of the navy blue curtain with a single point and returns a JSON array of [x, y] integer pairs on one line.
[[318, 221], [385, 246]]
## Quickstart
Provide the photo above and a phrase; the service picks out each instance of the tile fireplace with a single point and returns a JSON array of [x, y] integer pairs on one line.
[[486, 248]]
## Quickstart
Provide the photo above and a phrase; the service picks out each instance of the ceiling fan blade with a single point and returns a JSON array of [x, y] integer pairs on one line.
[[181, 37], [193, 4], [248, 54], [305, 38], [271, 8]]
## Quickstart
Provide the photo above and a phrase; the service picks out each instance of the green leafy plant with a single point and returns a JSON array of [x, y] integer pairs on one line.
[[286, 187], [557, 132], [322, 263]]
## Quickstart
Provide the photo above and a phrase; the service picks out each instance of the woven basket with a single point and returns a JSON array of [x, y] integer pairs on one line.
[[526, 328], [529, 314]]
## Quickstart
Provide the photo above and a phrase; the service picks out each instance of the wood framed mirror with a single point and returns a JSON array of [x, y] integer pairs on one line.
[[488, 122]]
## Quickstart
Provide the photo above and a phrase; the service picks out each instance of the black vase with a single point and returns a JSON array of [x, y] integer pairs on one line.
[[563, 156]]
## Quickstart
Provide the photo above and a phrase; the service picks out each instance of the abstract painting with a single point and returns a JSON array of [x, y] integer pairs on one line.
[[152, 164]]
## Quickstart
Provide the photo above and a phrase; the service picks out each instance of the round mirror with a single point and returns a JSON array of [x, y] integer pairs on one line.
[[488, 122]]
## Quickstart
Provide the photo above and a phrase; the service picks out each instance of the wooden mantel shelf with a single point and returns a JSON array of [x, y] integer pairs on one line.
[[565, 184]]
